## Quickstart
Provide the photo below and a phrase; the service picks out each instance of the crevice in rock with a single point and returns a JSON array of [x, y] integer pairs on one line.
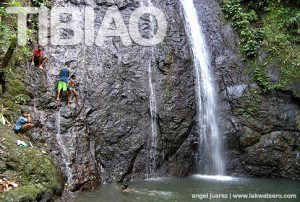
[[131, 164], [182, 139]]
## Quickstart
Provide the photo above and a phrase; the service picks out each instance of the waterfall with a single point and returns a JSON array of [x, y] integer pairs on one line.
[[153, 111], [209, 157], [152, 101], [64, 151]]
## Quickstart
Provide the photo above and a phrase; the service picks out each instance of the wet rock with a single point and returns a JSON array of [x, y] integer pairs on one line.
[[249, 137], [274, 155], [256, 138], [273, 74], [107, 136], [295, 89], [237, 91]]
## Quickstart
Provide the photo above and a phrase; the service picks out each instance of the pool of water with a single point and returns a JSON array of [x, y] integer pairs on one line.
[[197, 188]]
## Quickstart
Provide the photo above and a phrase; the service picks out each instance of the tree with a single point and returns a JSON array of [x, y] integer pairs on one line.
[[7, 25]]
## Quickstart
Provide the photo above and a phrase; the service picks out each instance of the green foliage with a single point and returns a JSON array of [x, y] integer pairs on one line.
[[34, 171], [12, 105], [39, 3], [249, 105], [247, 111], [290, 23], [15, 4], [8, 24], [241, 21], [262, 80], [16, 92], [6, 29], [22, 99], [16, 87], [273, 28]]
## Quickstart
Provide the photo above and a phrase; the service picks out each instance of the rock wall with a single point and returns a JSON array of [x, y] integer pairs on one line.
[[107, 136], [261, 130]]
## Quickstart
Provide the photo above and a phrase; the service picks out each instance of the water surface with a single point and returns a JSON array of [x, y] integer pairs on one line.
[[182, 189]]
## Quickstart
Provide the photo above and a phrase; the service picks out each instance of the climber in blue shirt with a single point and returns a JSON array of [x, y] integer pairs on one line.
[[64, 74], [23, 124]]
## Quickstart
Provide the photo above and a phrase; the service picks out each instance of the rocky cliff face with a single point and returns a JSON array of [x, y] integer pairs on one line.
[[261, 130], [107, 136]]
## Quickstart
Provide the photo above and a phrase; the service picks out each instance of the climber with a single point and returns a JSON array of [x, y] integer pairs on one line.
[[38, 58], [64, 74], [23, 124], [72, 90]]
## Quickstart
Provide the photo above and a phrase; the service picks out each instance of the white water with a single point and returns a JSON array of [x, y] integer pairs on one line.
[[153, 111], [216, 177], [209, 157], [65, 153], [153, 106]]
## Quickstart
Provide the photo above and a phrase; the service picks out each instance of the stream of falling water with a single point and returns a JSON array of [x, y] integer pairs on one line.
[[153, 111], [65, 153], [152, 103], [209, 158]]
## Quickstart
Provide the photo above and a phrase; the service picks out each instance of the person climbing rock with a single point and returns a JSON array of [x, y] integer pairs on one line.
[[64, 74], [39, 59], [23, 124], [72, 90]]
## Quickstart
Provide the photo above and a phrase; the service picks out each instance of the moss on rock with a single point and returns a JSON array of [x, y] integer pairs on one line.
[[34, 171]]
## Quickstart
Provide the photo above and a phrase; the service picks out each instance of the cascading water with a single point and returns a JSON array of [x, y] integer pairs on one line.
[[152, 102], [65, 153], [209, 158], [153, 111]]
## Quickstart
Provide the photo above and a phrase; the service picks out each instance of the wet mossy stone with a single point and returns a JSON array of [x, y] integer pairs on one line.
[[34, 171]]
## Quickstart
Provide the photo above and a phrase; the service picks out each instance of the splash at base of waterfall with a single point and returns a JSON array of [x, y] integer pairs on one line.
[[216, 177]]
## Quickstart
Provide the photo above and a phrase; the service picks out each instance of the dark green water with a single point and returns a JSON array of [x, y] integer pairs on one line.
[[182, 189]]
